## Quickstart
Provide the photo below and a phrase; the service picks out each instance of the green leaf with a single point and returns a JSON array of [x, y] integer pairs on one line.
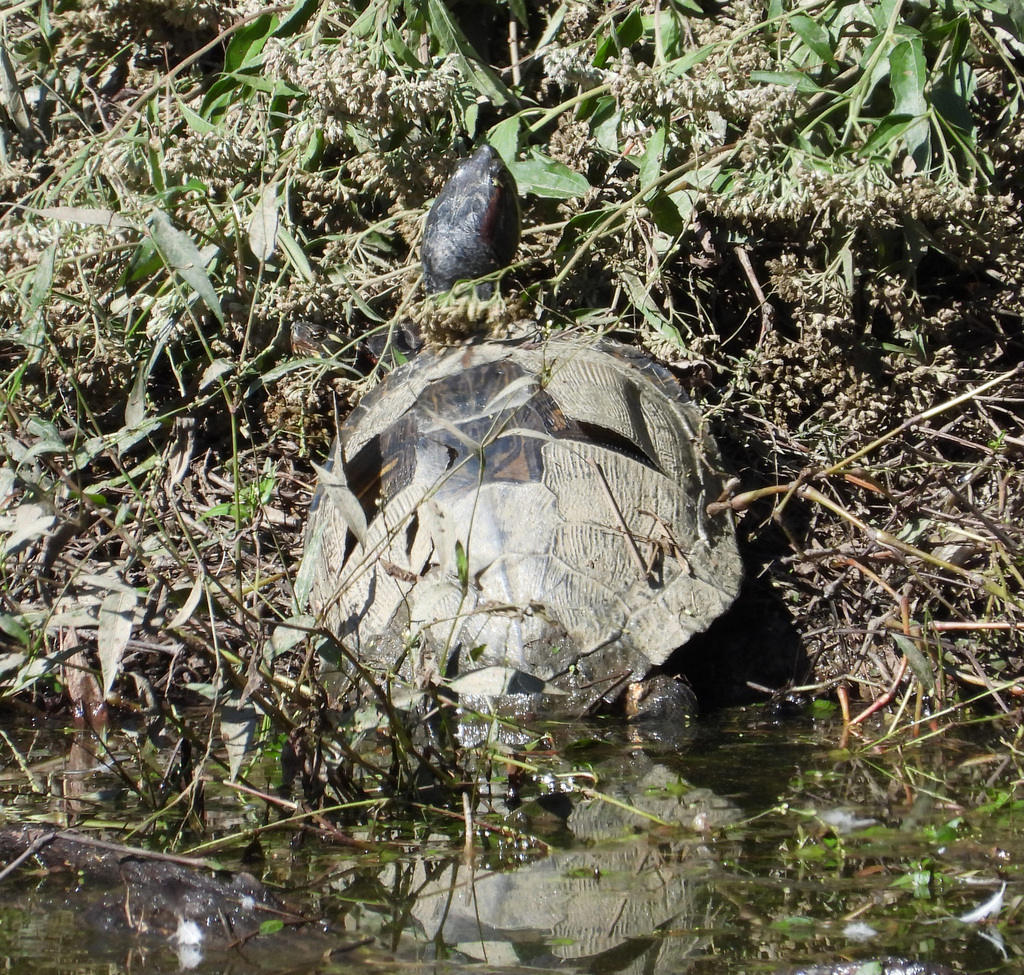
[[247, 43], [518, 8], [462, 565], [604, 123], [30, 522], [685, 202], [958, 30], [875, 67], [890, 129], [290, 633], [216, 370], [42, 281], [1015, 8], [401, 53], [116, 621], [222, 93], [195, 121], [453, 41], [654, 157], [543, 177], [91, 216], [145, 262], [918, 139], [882, 13], [238, 723], [12, 100], [665, 214], [182, 256], [263, 224], [503, 138], [295, 254], [313, 150], [135, 405], [248, 78], [787, 79], [666, 27], [297, 18], [954, 111], [691, 60], [814, 36], [917, 880], [622, 36], [907, 76], [11, 625], [919, 663]]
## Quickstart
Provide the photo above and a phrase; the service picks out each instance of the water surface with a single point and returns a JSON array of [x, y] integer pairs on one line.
[[743, 843]]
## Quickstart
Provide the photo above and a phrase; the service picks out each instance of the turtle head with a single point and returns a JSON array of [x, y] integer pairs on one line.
[[473, 227]]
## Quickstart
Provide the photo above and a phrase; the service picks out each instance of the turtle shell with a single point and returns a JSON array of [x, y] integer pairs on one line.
[[521, 517]]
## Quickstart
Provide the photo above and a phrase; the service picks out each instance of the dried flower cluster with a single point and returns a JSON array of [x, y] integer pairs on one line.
[[452, 319], [643, 90], [701, 102], [842, 200], [888, 292], [571, 67], [110, 26], [346, 86], [211, 158]]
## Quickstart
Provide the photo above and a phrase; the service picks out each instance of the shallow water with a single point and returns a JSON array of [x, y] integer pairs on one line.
[[743, 844]]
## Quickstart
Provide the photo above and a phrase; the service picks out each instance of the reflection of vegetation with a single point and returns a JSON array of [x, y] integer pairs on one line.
[[817, 207], [788, 882], [901, 847]]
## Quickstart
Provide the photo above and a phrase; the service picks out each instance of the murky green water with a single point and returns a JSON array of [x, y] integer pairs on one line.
[[756, 846]]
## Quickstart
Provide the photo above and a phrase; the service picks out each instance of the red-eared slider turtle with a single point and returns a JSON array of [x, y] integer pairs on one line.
[[510, 515], [473, 227]]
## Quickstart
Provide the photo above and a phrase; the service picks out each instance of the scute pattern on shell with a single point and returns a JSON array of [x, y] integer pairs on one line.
[[531, 458]]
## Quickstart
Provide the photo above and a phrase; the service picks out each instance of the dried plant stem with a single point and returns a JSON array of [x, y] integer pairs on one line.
[[615, 214], [513, 50], [467, 812], [952, 625], [844, 704], [186, 63], [801, 489], [880, 537], [624, 806], [631, 545], [883, 699], [924, 416]]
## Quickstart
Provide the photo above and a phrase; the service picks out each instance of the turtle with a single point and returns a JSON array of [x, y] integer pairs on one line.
[[472, 230], [473, 226], [518, 519]]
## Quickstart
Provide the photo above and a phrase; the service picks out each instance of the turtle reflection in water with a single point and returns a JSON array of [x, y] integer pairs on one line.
[[516, 517]]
